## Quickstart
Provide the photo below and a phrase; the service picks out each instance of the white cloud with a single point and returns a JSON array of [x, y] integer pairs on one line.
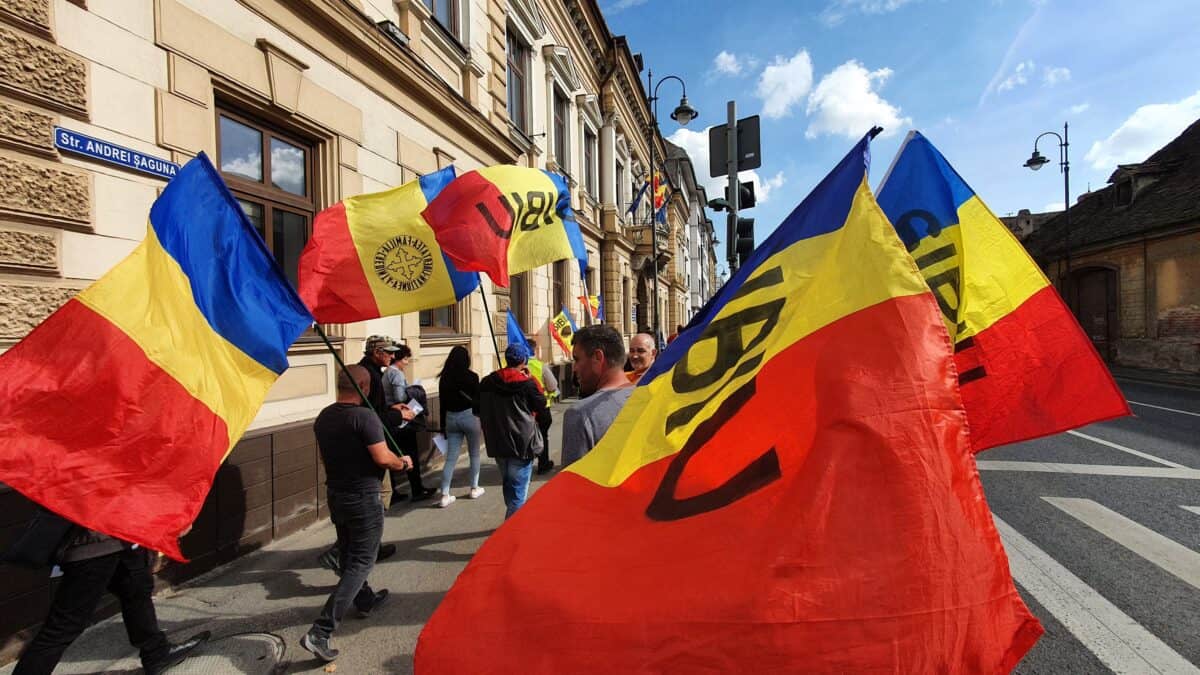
[[837, 10], [623, 5], [696, 145], [784, 84], [1147, 129], [1019, 76], [1057, 75], [845, 103], [727, 64], [1079, 109]]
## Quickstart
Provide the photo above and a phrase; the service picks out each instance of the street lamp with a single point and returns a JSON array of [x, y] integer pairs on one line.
[[1036, 161], [683, 114]]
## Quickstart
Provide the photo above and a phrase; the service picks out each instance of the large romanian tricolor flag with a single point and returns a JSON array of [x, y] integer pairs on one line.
[[706, 532], [1025, 366], [118, 409], [506, 220], [374, 255]]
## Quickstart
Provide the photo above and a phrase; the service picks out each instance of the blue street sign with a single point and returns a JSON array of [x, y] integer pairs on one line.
[[73, 141]]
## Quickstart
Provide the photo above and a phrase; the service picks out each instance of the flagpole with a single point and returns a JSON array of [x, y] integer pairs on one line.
[[391, 441], [491, 326]]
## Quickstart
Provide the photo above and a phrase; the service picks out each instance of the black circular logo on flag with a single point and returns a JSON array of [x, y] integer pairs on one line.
[[404, 263]]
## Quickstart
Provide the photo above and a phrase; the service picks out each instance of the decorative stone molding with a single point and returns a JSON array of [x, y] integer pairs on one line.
[[44, 194], [23, 307], [28, 251], [26, 130], [444, 159], [413, 14], [189, 80], [28, 15], [42, 72], [284, 72]]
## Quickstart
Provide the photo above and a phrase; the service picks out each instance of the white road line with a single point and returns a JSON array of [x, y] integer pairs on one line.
[[1159, 407], [1090, 469], [1193, 509], [1122, 448], [1168, 554], [1114, 637]]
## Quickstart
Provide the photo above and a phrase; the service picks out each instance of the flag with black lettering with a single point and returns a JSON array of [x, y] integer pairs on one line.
[[505, 220], [706, 532], [1025, 366]]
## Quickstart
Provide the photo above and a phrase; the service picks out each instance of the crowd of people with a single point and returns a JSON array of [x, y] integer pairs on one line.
[[368, 440]]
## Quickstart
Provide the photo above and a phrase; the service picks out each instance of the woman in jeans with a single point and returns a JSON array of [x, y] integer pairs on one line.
[[458, 389]]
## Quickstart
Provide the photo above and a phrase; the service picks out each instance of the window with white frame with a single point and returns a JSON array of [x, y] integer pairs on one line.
[[562, 144], [445, 12]]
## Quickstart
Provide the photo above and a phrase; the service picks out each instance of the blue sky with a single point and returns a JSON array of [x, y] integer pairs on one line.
[[980, 78]]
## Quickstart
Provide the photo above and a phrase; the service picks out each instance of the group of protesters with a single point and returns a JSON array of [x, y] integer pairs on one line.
[[368, 443]]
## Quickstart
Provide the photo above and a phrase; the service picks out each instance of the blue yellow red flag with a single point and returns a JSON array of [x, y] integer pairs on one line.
[[505, 220], [849, 535], [374, 255], [562, 329], [1026, 368], [157, 369]]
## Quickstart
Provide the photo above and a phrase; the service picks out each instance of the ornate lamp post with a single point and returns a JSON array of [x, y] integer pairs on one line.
[[1036, 161]]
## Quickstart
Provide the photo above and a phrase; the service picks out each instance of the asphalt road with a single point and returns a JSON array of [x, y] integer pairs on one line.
[[1102, 529]]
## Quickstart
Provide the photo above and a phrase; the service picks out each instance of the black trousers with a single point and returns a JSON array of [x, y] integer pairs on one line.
[[543, 458], [407, 439], [127, 575], [358, 518]]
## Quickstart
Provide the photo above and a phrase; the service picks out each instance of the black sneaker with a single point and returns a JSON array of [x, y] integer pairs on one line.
[[329, 560], [380, 596], [176, 654], [385, 551], [319, 647], [424, 493], [544, 467]]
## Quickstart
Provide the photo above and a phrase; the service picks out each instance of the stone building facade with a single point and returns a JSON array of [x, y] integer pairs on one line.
[[301, 103], [1130, 269]]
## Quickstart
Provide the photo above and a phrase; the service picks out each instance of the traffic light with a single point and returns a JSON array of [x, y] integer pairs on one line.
[[745, 195], [745, 239]]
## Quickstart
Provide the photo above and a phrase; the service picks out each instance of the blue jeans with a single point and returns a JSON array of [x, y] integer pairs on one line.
[[514, 477], [460, 425], [358, 519]]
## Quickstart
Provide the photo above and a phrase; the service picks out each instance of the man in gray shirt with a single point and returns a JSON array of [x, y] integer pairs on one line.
[[599, 354]]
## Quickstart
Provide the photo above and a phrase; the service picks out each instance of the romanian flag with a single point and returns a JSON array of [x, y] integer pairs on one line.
[[374, 255], [562, 329], [118, 409], [516, 336], [505, 220], [660, 190], [708, 533], [593, 306], [1025, 366]]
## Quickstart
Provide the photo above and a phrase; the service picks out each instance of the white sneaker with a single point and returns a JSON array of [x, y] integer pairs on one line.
[[446, 500], [476, 493]]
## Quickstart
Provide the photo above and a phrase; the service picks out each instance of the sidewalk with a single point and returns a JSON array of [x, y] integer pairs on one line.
[[1155, 376], [259, 606]]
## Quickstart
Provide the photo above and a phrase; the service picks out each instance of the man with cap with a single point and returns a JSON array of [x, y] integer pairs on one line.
[[509, 403], [378, 353]]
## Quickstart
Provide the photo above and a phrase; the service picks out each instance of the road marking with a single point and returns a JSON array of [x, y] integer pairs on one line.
[[1159, 407], [1091, 469], [1193, 509], [1168, 554], [1114, 637], [1122, 448]]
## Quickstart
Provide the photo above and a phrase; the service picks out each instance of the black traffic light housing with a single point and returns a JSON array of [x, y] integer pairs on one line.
[[744, 245], [746, 198]]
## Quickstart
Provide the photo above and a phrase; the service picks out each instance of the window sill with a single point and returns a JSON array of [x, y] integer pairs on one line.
[[444, 339], [447, 42]]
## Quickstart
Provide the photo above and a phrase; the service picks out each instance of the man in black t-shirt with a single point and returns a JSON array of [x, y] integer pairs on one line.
[[355, 455]]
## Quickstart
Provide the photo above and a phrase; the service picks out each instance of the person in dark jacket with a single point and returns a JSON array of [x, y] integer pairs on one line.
[[509, 402], [458, 390], [378, 354], [93, 563]]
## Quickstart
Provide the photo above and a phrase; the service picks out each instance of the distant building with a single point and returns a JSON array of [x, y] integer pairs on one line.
[[1134, 259], [1025, 223]]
